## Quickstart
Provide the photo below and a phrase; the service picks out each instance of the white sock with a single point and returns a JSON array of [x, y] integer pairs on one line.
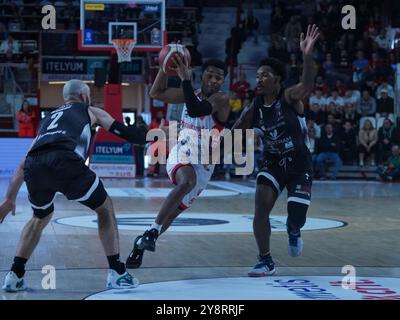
[[156, 226]]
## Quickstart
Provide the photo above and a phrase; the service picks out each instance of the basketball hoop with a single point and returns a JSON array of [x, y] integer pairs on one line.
[[124, 49]]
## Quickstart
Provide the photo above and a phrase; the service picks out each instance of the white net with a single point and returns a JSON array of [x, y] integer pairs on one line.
[[124, 49]]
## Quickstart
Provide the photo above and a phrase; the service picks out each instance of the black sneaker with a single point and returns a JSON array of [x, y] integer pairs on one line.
[[135, 258], [148, 241]]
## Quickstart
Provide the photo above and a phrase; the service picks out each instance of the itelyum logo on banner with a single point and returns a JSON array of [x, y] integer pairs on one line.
[[112, 152], [105, 149]]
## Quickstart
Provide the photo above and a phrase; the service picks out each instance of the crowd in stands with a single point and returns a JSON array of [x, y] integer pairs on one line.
[[26, 15], [185, 26], [247, 28], [352, 104], [241, 92], [350, 112]]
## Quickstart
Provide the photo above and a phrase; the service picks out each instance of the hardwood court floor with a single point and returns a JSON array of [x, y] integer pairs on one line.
[[368, 239]]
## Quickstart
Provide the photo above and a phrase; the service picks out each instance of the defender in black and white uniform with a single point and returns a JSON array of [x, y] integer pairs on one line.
[[56, 163], [56, 159], [277, 114]]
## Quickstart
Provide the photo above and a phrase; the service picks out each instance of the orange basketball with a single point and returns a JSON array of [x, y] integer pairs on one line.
[[168, 52]]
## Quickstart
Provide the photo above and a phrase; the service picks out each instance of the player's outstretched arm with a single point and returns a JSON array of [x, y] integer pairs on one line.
[[244, 122], [160, 90], [107, 122], [300, 90], [246, 118], [8, 205]]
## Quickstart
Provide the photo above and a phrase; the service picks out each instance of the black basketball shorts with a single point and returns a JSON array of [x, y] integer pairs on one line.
[[296, 177], [50, 171]]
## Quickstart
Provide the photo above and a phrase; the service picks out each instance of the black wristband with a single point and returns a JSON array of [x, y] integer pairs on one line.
[[128, 133], [195, 106]]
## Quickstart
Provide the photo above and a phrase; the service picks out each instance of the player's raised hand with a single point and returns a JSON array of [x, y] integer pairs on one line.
[[6, 207], [307, 43], [182, 68]]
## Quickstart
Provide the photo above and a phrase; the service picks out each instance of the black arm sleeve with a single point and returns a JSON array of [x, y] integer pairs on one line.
[[195, 107], [130, 134]]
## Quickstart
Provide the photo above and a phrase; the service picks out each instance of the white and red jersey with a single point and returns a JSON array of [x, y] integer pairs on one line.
[[195, 136], [189, 151]]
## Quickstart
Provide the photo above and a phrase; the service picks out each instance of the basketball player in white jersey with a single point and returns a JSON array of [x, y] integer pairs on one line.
[[207, 108]]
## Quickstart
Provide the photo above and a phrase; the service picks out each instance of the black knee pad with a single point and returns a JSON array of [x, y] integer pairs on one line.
[[97, 198], [43, 213], [296, 215]]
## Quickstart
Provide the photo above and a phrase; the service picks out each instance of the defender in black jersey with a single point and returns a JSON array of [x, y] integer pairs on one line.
[[56, 163], [277, 114]]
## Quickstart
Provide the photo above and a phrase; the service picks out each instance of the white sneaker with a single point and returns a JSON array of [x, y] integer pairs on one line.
[[264, 267], [121, 281], [12, 283]]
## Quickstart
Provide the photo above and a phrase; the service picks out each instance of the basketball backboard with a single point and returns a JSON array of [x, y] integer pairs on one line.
[[104, 20]]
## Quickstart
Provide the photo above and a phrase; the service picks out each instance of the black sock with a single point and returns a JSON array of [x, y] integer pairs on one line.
[[116, 264], [18, 267]]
